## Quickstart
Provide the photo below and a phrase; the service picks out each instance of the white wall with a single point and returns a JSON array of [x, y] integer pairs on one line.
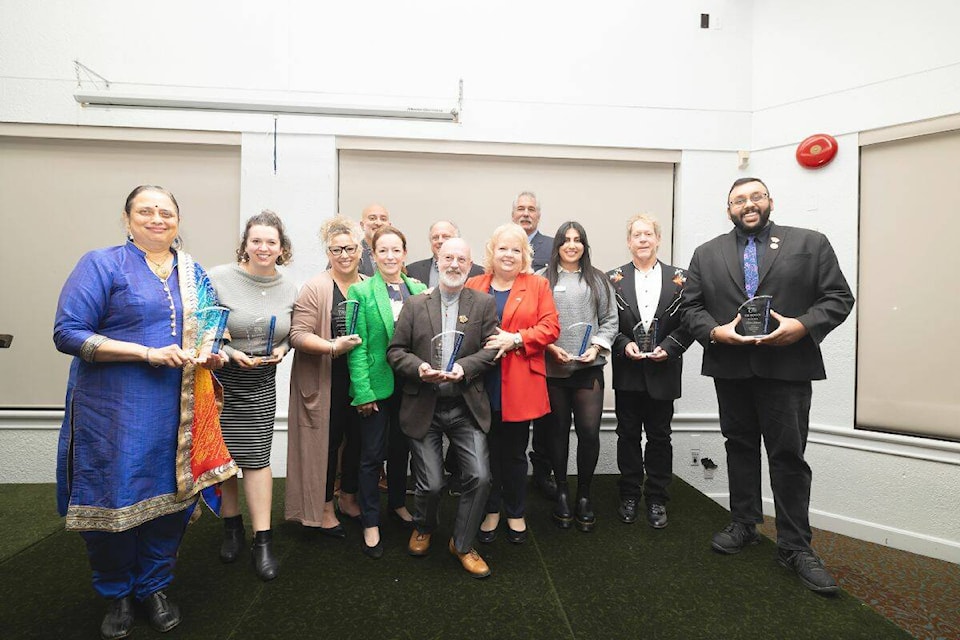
[[627, 74]]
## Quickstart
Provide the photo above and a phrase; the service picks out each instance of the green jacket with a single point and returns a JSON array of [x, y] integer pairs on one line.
[[371, 377]]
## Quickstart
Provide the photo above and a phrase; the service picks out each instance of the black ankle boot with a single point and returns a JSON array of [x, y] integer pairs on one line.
[[233, 535], [561, 510], [264, 562], [585, 517]]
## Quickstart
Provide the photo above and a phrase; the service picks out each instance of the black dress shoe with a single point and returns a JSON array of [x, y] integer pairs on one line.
[[628, 510], [656, 515], [562, 514], [375, 552], [585, 516], [545, 483], [734, 537], [265, 563], [516, 537], [233, 537], [162, 613], [809, 568], [396, 517], [118, 622], [337, 532], [486, 537]]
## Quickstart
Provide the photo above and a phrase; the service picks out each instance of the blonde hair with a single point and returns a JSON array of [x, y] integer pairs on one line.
[[510, 231], [646, 218], [338, 225]]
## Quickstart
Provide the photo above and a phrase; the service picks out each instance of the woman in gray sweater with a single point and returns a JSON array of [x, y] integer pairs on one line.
[[260, 299], [588, 325]]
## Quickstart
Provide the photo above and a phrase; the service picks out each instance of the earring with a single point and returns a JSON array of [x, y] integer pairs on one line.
[[246, 257]]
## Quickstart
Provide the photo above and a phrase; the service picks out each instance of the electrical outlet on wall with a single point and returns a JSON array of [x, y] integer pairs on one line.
[[694, 457]]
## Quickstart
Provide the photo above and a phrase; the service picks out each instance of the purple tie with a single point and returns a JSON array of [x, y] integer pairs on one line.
[[751, 275]]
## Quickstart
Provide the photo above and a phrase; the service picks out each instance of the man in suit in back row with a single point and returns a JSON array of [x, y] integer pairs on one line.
[[764, 384], [426, 271], [646, 382], [437, 403], [526, 213]]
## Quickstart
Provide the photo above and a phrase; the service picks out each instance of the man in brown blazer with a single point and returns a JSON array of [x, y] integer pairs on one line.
[[443, 395]]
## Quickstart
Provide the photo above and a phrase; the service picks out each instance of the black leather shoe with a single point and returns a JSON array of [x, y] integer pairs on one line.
[[516, 537], [162, 613], [396, 517], [233, 537], [545, 484], [337, 532], [261, 554], [486, 537], [585, 517], [734, 537], [628, 510], [656, 515], [809, 568], [375, 552], [118, 622], [562, 514]]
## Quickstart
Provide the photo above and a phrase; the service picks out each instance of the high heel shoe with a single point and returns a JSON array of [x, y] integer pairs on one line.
[[585, 517], [561, 510]]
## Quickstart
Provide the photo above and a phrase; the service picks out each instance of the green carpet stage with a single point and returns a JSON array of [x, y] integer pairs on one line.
[[618, 582]]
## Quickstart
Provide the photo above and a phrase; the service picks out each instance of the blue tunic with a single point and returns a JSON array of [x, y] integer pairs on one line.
[[116, 462]]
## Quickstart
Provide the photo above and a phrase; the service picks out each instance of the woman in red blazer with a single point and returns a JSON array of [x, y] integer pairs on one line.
[[518, 387]]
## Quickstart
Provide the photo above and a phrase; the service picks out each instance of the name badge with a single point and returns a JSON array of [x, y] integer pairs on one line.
[[559, 287]]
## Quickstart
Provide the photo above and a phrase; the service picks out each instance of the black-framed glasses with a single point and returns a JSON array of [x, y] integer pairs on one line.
[[755, 198], [350, 249]]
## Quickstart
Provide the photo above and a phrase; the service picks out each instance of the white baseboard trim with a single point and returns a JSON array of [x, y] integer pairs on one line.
[[902, 539]]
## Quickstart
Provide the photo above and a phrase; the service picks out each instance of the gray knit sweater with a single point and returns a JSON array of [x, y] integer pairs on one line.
[[572, 297], [252, 300]]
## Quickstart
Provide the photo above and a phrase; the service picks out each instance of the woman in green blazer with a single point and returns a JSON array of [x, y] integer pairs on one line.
[[372, 387]]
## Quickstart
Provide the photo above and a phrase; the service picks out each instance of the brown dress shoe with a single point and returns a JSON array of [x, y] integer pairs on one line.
[[471, 561], [419, 543]]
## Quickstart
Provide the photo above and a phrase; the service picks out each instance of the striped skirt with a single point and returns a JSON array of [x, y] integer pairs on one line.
[[249, 407]]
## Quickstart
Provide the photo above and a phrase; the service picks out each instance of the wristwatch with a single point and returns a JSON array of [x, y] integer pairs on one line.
[[517, 341]]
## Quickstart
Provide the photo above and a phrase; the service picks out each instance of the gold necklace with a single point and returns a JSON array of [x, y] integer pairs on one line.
[[158, 268]]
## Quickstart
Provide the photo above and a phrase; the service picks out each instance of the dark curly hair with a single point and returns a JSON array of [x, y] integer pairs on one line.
[[266, 218]]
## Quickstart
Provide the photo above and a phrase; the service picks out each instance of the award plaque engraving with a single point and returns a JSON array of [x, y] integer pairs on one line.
[[346, 318], [646, 336], [582, 332], [755, 317], [452, 340]]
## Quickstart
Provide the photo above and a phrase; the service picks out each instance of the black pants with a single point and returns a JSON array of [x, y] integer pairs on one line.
[[779, 412], [344, 425], [380, 437], [508, 466], [584, 407], [638, 412]]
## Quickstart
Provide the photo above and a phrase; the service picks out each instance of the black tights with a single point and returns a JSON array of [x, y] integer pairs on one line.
[[585, 408]]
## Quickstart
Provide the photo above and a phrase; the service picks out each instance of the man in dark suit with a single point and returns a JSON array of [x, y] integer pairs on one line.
[[764, 384], [454, 403], [426, 271], [646, 380], [526, 213]]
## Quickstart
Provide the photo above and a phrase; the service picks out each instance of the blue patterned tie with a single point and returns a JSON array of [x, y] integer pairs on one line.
[[751, 275]]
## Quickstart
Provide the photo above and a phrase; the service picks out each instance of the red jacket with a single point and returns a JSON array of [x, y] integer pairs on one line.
[[531, 312]]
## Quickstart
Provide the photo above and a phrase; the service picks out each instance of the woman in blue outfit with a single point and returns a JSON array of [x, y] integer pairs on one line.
[[139, 407], [372, 387]]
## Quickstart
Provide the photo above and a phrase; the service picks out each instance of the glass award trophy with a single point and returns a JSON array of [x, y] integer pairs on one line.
[[646, 336], [211, 325], [755, 317], [346, 318], [263, 330], [581, 331], [453, 340]]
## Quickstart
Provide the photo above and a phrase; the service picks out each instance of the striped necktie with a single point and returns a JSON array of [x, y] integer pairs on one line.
[[751, 275]]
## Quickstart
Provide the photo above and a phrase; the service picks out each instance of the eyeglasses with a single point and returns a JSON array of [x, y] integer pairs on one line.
[[349, 249], [755, 198]]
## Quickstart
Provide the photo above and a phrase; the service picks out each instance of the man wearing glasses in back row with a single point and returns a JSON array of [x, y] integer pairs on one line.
[[764, 384]]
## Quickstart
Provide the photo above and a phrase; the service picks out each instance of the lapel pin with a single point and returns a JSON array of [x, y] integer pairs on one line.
[[462, 319]]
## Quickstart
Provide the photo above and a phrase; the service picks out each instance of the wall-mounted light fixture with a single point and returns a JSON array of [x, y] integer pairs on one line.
[[119, 99]]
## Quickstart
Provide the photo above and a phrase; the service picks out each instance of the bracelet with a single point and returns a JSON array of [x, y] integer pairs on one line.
[[713, 335], [333, 349], [146, 357]]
